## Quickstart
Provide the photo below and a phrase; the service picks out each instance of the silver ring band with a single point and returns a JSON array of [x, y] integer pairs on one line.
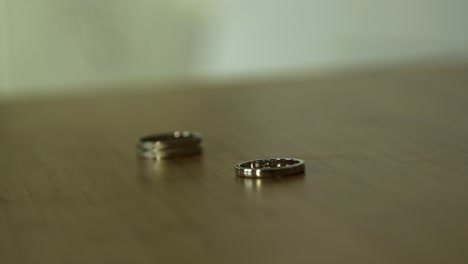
[[172, 153], [169, 145], [266, 168], [176, 139]]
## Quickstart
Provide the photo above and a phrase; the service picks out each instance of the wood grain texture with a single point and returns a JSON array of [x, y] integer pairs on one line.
[[386, 174]]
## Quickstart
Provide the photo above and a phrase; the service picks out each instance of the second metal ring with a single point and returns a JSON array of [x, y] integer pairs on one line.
[[265, 168]]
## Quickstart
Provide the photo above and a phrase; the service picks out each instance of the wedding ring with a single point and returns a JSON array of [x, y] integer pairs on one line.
[[169, 145], [265, 168], [176, 139], [171, 153]]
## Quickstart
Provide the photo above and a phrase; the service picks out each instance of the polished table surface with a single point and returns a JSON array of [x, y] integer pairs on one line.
[[386, 177]]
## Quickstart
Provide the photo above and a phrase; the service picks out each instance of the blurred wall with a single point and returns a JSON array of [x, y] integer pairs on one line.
[[271, 35], [60, 46], [3, 49], [65, 46]]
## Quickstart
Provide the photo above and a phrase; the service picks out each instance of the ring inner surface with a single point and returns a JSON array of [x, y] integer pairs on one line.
[[168, 137], [270, 163]]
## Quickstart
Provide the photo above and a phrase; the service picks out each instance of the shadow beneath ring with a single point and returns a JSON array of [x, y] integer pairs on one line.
[[257, 184], [168, 170]]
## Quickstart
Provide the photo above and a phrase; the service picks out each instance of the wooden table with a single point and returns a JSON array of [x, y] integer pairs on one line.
[[386, 173]]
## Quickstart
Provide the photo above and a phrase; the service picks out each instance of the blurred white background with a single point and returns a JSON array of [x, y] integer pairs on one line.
[[67, 46]]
